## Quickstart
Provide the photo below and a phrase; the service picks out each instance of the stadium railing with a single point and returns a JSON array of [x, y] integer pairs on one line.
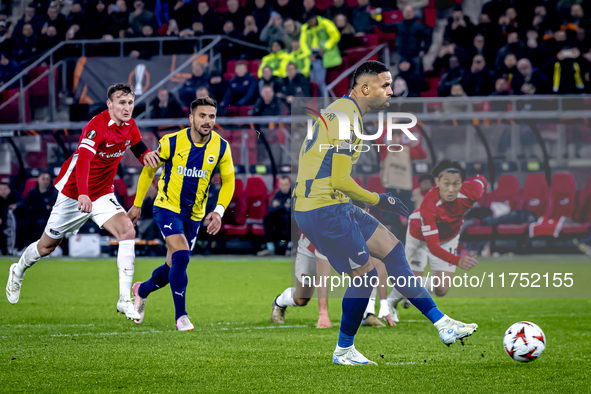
[[203, 45]]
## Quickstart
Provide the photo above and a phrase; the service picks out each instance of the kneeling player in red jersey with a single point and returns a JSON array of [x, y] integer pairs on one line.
[[85, 185], [434, 230]]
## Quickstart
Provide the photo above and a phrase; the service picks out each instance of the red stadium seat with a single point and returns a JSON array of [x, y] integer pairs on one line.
[[29, 185], [433, 85], [563, 191], [390, 38], [245, 110], [235, 216], [430, 16], [357, 53], [254, 67], [231, 65], [39, 92], [536, 195], [582, 213], [374, 184], [537, 199], [314, 89], [507, 190], [390, 17], [10, 113], [323, 4], [257, 198], [236, 212], [232, 110], [332, 73], [238, 139], [479, 230], [257, 229]]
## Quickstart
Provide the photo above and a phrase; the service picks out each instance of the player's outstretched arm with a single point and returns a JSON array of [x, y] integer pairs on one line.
[[431, 235], [145, 156], [144, 183], [342, 181]]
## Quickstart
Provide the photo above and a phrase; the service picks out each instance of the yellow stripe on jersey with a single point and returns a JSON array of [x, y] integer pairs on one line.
[[317, 180], [188, 168]]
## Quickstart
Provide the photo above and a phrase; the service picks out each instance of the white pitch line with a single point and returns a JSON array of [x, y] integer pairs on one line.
[[115, 333], [46, 325]]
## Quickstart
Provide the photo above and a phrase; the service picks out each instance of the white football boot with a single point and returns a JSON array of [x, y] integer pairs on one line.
[[349, 356], [125, 307], [183, 324], [451, 330], [13, 286], [139, 303]]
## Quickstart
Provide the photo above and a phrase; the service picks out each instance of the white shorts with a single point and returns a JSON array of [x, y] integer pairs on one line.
[[66, 218], [417, 254], [305, 262]]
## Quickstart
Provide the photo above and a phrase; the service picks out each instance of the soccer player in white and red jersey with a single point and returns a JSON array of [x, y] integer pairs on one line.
[[434, 230], [85, 185]]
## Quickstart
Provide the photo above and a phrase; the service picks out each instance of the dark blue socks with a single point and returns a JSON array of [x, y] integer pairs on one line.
[[354, 303], [178, 280], [398, 267], [158, 280]]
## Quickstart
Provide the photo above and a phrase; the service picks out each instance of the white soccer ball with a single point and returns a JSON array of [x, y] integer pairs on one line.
[[524, 341]]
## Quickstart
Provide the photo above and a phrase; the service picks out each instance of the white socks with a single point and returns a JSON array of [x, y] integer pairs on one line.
[[442, 323], [29, 257], [371, 307], [286, 298], [126, 263], [384, 311]]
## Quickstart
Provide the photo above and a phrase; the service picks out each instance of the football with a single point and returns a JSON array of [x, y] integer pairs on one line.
[[524, 341]]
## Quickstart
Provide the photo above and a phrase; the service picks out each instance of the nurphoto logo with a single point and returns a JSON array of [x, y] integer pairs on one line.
[[349, 134]]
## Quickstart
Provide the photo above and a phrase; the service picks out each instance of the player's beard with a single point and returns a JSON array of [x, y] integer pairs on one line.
[[379, 103], [200, 131]]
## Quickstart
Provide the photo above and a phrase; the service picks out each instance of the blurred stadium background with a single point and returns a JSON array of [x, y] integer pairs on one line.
[[517, 74]]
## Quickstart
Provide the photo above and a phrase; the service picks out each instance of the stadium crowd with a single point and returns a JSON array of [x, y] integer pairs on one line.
[[515, 47]]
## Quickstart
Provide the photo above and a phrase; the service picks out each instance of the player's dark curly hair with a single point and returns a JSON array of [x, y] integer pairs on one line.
[[120, 87], [449, 166], [204, 101], [372, 67]]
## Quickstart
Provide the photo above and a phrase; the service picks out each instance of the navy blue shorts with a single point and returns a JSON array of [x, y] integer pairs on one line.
[[340, 233], [171, 223]]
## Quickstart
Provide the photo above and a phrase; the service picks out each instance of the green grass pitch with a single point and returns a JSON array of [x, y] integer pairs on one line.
[[64, 336]]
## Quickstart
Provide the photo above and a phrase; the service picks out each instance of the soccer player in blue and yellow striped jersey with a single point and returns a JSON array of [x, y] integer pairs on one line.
[[351, 240], [190, 157]]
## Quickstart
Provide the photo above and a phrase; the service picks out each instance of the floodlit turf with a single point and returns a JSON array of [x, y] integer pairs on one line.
[[64, 336]]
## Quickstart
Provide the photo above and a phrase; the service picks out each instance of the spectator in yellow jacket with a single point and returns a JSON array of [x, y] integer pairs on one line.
[[319, 38], [277, 60], [300, 59]]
